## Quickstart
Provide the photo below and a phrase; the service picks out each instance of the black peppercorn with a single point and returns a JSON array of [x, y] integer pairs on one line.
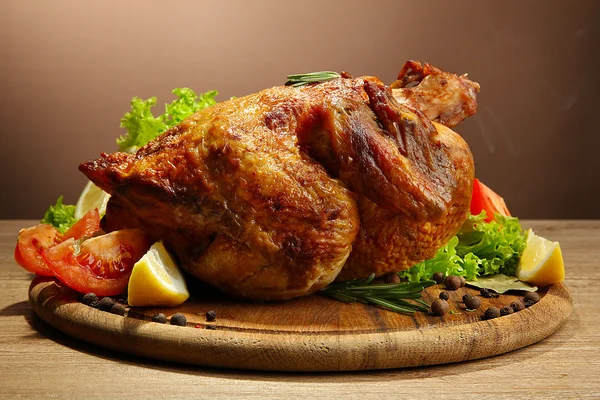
[[517, 305], [391, 278], [118, 308], [488, 293], [444, 295], [438, 277], [491, 313], [506, 310], [439, 307], [95, 303], [472, 302], [178, 319], [465, 297], [160, 318], [89, 298], [529, 303], [212, 315], [463, 281], [106, 304], [452, 282], [533, 296]]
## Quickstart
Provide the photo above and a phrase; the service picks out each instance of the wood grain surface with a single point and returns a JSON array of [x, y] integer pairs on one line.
[[312, 333], [40, 362]]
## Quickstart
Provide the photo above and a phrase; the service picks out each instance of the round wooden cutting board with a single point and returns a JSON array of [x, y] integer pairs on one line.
[[312, 333]]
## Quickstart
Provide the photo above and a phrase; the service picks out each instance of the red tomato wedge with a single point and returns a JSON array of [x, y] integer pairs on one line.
[[101, 264], [86, 226], [30, 243], [484, 198], [33, 240]]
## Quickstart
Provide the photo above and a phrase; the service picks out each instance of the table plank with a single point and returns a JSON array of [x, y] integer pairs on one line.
[[38, 361]]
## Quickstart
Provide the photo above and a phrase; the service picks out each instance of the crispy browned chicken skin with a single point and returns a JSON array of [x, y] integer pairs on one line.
[[264, 196]]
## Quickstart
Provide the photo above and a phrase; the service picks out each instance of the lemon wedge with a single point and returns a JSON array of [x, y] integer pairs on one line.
[[91, 197], [541, 263], [156, 280]]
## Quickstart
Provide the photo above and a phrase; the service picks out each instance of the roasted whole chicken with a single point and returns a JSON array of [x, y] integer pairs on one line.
[[275, 195]]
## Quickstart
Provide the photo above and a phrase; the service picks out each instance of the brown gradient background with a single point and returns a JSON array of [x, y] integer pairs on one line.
[[69, 68]]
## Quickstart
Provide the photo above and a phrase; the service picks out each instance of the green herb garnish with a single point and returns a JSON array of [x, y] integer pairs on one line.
[[142, 126], [391, 296], [60, 215], [311, 77], [501, 283], [480, 248]]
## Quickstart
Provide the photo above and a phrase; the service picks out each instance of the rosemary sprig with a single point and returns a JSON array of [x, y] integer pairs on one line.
[[311, 77], [391, 296]]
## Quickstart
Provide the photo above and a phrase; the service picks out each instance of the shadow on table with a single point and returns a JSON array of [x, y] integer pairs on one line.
[[43, 330]]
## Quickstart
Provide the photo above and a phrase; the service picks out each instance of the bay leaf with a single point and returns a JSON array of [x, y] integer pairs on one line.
[[501, 283]]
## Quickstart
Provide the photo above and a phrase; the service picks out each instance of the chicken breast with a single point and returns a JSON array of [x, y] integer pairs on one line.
[[263, 196]]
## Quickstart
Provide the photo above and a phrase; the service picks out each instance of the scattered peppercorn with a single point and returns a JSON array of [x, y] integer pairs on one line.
[[472, 302], [438, 277], [465, 297], [178, 319], [533, 296], [106, 304], [488, 293], [452, 282], [118, 308], [211, 327], [492, 313], [160, 318], [463, 281], [529, 303], [517, 305], [391, 278], [95, 303], [444, 295], [89, 298], [439, 307], [212, 315], [506, 310]]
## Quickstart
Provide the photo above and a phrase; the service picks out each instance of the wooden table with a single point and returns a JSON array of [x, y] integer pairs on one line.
[[40, 362]]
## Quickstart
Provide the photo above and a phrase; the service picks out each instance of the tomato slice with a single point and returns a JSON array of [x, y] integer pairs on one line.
[[484, 198], [86, 226], [30, 243], [101, 264]]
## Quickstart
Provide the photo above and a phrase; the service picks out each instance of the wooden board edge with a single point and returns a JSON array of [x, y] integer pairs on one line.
[[301, 351]]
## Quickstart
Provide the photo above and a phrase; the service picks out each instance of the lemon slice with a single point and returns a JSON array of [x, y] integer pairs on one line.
[[541, 263], [156, 280], [91, 197]]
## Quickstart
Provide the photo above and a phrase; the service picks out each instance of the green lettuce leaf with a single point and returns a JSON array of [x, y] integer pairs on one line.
[[60, 215], [142, 126], [186, 104], [480, 248]]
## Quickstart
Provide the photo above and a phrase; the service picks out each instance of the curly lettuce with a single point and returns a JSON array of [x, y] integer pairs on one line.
[[61, 216], [480, 248], [142, 126]]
